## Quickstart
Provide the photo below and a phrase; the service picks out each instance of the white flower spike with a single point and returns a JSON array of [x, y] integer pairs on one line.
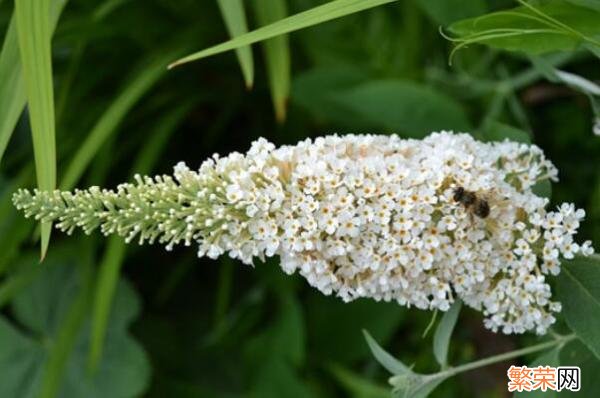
[[420, 222]]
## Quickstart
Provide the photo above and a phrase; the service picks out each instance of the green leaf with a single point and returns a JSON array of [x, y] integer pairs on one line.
[[315, 89], [24, 275], [327, 313], [235, 19], [108, 277], [54, 310], [114, 253], [19, 357], [357, 385], [276, 379], [284, 338], [579, 292], [444, 12], [146, 75], [12, 86], [441, 338], [497, 131], [404, 106], [576, 354], [323, 13], [421, 386], [391, 364], [35, 33], [593, 4], [576, 82], [277, 54], [543, 189], [552, 26]]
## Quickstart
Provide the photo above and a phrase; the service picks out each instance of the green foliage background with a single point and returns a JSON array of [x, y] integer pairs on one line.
[[99, 319]]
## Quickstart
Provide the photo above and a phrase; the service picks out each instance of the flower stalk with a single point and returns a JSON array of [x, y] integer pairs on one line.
[[420, 222]]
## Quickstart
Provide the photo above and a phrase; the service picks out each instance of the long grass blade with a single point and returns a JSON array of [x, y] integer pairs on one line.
[[326, 12], [35, 34], [114, 254], [12, 86], [277, 54], [234, 16], [149, 72]]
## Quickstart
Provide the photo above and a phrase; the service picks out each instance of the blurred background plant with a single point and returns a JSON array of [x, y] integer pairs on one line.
[[99, 319]]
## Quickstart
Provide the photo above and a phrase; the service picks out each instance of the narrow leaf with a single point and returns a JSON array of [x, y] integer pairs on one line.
[[391, 364], [12, 86], [234, 16], [441, 338], [579, 292], [34, 34], [277, 54], [326, 12], [105, 289], [147, 74], [115, 250]]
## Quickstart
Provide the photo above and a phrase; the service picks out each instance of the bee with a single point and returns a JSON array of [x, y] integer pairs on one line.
[[478, 206]]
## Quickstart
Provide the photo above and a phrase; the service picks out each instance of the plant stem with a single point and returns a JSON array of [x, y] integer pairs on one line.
[[561, 340], [507, 355]]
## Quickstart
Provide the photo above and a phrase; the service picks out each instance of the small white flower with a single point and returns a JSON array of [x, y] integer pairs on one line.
[[586, 248], [359, 216]]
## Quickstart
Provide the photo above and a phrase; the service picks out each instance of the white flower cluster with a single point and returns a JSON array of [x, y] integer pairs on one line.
[[361, 216]]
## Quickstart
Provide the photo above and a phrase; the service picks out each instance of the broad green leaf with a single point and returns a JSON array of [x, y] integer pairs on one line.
[[391, 364], [115, 250], [576, 354], [579, 292], [441, 338], [234, 16], [12, 86], [444, 12], [66, 334], [54, 310], [315, 89], [323, 13], [35, 34], [277, 54], [552, 26], [19, 356], [145, 76], [357, 385], [593, 4], [404, 107], [497, 131]]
